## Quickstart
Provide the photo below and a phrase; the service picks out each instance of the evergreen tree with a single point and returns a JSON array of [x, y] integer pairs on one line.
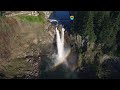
[[89, 28], [109, 31], [98, 19], [80, 22], [100, 26]]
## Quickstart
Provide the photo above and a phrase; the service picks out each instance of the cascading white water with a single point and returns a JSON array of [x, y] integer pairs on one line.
[[60, 46], [62, 53], [60, 43]]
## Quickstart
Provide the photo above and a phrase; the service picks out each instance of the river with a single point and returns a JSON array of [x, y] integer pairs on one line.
[[63, 18]]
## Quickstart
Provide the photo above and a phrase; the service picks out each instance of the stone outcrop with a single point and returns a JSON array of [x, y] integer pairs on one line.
[[14, 13], [47, 14]]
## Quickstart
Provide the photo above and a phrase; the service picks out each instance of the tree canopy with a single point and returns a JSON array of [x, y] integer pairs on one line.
[[102, 27]]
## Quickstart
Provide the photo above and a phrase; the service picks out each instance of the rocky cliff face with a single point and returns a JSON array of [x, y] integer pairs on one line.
[[14, 13], [22, 46], [47, 14]]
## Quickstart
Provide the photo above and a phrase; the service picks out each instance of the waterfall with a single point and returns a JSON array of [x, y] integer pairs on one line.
[[60, 43], [60, 46], [62, 53]]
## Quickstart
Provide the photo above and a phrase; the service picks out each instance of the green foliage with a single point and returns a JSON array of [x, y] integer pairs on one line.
[[118, 43], [98, 19], [101, 27], [89, 28], [84, 24], [81, 18], [39, 18], [109, 32]]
